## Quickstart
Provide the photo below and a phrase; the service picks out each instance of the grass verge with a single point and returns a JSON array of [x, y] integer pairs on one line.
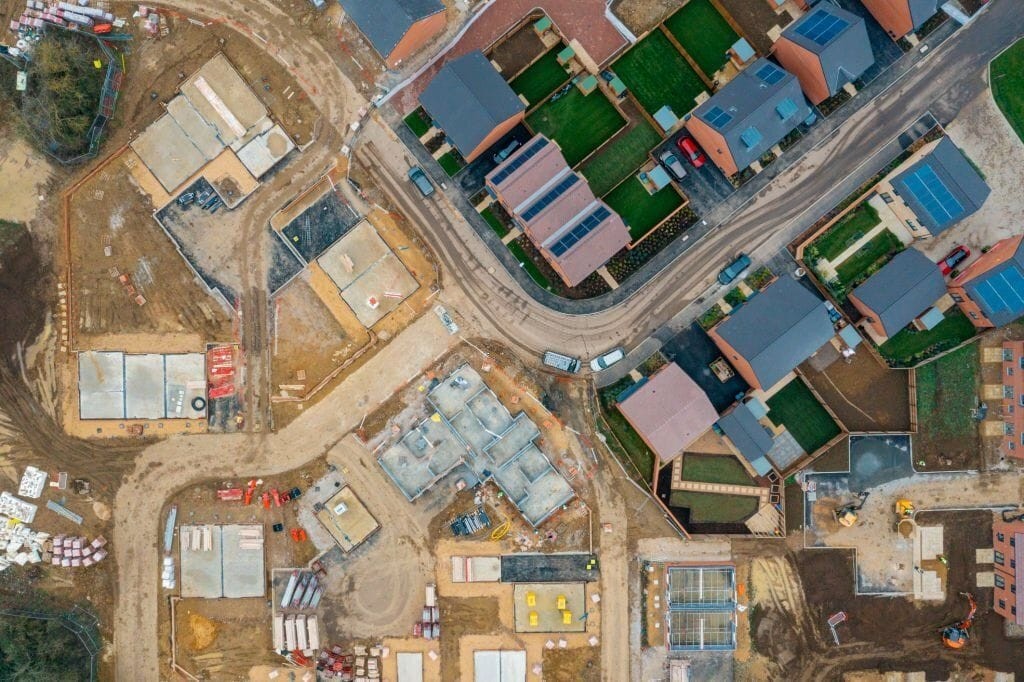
[[640, 210], [528, 265], [451, 163], [636, 450], [488, 215], [703, 33], [1007, 77], [796, 408], [418, 122], [911, 346], [657, 74], [579, 123]]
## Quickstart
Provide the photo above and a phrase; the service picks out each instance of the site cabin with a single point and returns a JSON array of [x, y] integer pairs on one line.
[[562, 362]]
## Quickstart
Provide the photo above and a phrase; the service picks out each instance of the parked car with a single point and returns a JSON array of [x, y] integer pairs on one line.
[[953, 259], [562, 362], [833, 314], [734, 270], [446, 319], [607, 359], [671, 162], [507, 151], [422, 182], [691, 151]]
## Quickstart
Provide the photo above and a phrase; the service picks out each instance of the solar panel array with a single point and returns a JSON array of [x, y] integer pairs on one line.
[[558, 190], [1002, 295], [585, 227], [751, 136], [786, 108], [821, 27], [717, 117], [770, 74], [516, 163], [933, 194]]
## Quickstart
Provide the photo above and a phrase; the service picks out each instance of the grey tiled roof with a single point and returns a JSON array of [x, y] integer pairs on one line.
[[778, 329], [843, 58], [467, 99], [902, 289], [748, 436], [385, 22]]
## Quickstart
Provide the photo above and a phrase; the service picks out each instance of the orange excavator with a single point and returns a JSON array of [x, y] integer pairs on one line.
[[955, 636]]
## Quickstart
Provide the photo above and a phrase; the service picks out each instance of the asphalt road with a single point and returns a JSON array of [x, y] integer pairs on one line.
[[951, 76]]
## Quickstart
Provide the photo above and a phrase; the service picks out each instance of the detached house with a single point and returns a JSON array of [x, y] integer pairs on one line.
[[474, 106], [396, 28], [902, 291], [825, 49], [747, 117], [575, 231], [772, 333], [900, 17], [990, 290]]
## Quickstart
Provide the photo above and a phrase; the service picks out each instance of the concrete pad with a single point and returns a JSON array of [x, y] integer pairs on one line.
[[232, 99], [168, 152], [450, 396], [549, 617], [144, 386], [353, 254], [347, 519], [985, 555], [185, 380], [264, 151], [985, 579], [243, 573], [201, 572], [199, 132], [101, 385]]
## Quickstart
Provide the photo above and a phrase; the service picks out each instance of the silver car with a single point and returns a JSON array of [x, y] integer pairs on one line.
[[672, 163]]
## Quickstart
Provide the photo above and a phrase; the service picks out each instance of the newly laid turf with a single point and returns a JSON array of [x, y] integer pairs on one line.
[[910, 346], [657, 74], [541, 78], [851, 227], [418, 122], [869, 258], [1007, 78], [450, 163], [714, 508], [715, 469], [946, 392], [531, 268], [703, 33], [620, 157], [492, 220], [579, 123], [796, 408], [642, 211]]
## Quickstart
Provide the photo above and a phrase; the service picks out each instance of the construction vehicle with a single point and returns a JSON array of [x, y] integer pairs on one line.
[[905, 511], [847, 514], [955, 636], [1011, 515]]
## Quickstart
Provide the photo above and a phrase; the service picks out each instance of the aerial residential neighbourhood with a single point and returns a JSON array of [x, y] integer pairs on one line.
[[504, 341]]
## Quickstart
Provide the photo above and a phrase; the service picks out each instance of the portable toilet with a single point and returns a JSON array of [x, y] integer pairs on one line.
[[531, 599], [561, 602], [566, 617], [534, 619]]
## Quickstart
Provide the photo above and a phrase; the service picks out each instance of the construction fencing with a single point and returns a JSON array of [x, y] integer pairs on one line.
[[80, 622]]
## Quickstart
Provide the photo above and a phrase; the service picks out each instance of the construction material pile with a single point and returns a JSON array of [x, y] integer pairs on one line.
[[362, 665], [68, 15], [76, 551], [19, 544]]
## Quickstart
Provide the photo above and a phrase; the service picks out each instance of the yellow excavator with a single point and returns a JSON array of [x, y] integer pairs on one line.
[[847, 514]]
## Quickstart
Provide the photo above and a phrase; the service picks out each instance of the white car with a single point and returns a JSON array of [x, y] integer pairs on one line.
[[605, 361], [446, 319]]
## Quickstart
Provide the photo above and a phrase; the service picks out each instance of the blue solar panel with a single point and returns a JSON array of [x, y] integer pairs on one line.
[[516, 163], [933, 194], [786, 108], [552, 194], [770, 74], [821, 27], [585, 227], [716, 117], [1002, 293], [751, 136]]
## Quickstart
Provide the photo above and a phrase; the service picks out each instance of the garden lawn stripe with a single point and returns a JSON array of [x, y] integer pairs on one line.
[[724, 469], [704, 34], [578, 123], [714, 507], [620, 157], [796, 408], [541, 78], [640, 210], [450, 164], [657, 74]]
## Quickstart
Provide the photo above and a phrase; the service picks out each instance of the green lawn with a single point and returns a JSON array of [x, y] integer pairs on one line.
[[703, 33], [714, 508], [657, 75], [640, 210], [418, 122], [450, 163], [946, 392], [869, 258], [910, 346], [636, 451], [579, 123], [715, 469], [528, 265], [796, 408], [621, 157], [847, 231], [492, 220], [1007, 77], [541, 78]]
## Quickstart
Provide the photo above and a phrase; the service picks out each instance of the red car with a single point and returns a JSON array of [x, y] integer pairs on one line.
[[954, 258], [691, 151]]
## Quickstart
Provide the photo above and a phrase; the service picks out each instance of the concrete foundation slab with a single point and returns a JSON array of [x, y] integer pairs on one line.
[[545, 600], [242, 567], [144, 386], [347, 519], [184, 381], [201, 572], [101, 385]]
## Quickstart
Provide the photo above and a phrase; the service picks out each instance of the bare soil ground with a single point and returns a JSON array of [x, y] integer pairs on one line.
[[793, 595], [517, 51], [756, 19], [24, 174], [866, 395], [572, 665], [460, 617], [643, 15]]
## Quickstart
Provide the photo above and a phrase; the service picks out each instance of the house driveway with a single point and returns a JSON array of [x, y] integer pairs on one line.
[[581, 20]]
